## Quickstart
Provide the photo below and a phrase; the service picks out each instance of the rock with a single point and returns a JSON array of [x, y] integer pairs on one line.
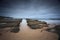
[[15, 30], [10, 22], [56, 30], [0, 34], [35, 24]]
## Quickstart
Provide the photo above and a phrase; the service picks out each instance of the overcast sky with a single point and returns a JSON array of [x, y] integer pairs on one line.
[[30, 8]]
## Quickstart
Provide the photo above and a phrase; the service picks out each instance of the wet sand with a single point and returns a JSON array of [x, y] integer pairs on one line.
[[26, 33]]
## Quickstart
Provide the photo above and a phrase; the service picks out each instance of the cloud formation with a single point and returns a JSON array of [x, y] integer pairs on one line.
[[30, 8]]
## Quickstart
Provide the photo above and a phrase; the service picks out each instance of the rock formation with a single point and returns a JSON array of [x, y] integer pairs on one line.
[[35, 24]]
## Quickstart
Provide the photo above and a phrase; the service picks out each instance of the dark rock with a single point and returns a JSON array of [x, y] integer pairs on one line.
[[57, 28], [0, 34], [15, 30]]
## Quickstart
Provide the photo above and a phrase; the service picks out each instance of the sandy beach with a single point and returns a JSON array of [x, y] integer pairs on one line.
[[26, 33]]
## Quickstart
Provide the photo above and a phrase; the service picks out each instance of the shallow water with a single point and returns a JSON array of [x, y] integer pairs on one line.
[[52, 21]]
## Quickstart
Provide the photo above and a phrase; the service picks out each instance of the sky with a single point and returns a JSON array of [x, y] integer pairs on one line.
[[30, 8]]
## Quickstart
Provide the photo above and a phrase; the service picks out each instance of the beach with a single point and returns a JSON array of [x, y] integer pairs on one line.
[[27, 33]]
